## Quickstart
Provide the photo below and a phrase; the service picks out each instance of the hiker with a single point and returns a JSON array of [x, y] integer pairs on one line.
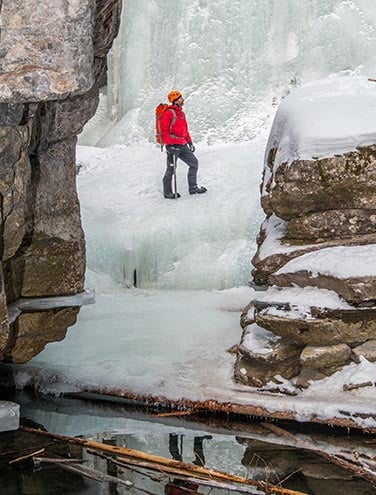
[[178, 142]]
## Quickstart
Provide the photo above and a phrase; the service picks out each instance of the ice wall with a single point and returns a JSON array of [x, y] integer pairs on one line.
[[233, 60]]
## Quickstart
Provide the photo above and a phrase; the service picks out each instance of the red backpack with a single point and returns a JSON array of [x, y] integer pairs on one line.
[[159, 111]]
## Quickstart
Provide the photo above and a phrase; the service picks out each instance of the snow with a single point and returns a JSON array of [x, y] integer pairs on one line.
[[259, 340], [300, 301], [197, 242], [323, 118], [341, 262], [275, 229]]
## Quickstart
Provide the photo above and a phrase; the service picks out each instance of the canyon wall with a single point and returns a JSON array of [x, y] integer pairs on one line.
[[53, 62]]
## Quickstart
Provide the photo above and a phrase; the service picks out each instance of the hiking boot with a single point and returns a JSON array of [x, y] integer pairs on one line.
[[197, 190], [171, 195]]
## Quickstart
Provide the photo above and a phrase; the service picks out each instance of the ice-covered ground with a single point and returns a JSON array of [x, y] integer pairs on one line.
[[170, 334]]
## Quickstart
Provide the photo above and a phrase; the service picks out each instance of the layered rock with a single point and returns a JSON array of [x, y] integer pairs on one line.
[[53, 61], [319, 239]]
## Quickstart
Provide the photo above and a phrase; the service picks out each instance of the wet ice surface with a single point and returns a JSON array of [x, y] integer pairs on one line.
[[149, 341]]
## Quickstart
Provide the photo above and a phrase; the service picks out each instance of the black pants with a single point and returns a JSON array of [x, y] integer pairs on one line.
[[189, 158]]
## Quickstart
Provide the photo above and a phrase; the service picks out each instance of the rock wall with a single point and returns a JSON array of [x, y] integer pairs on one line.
[[52, 61], [318, 313]]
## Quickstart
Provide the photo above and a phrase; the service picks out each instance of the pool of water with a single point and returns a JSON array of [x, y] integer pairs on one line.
[[298, 457]]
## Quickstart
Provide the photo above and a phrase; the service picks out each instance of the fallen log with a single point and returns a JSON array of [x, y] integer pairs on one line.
[[164, 465]]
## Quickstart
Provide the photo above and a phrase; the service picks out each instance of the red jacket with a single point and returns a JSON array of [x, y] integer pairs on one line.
[[174, 127]]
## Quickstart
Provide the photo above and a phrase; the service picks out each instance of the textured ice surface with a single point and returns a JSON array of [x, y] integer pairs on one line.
[[9, 416]]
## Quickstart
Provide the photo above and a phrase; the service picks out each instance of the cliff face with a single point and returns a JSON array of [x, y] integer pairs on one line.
[[317, 244], [53, 61]]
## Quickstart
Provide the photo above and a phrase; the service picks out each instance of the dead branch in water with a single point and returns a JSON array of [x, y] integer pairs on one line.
[[92, 474], [164, 465], [28, 456]]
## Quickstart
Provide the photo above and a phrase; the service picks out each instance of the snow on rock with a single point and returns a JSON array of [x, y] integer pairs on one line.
[[324, 118], [340, 262], [316, 246]]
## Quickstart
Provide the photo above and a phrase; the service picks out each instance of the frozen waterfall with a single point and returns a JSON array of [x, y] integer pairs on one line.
[[233, 59]]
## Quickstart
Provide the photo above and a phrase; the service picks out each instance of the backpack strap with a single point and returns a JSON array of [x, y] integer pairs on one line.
[[172, 121]]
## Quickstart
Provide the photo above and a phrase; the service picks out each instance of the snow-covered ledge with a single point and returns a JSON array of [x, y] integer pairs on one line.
[[45, 303], [318, 239]]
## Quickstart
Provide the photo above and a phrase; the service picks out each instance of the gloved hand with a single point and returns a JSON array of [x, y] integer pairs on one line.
[[191, 147]]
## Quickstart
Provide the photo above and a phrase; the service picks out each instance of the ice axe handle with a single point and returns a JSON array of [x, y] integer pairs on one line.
[[175, 186]]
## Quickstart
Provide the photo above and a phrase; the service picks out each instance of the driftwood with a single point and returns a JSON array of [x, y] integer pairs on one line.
[[61, 460], [27, 456], [83, 471], [211, 483], [164, 465], [9, 453], [175, 413]]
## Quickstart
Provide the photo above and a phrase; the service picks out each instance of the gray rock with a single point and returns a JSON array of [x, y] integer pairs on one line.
[[46, 49], [306, 186], [326, 358], [262, 356], [356, 290], [36, 330], [52, 63], [321, 330], [366, 350], [265, 266], [308, 375], [331, 224]]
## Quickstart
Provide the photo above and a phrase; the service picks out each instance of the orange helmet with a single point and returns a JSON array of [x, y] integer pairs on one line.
[[173, 95]]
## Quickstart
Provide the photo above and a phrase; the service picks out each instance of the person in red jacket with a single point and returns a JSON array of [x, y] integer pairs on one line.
[[178, 142]]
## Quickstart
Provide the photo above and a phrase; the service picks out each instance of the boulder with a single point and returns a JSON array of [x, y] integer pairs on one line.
[[52, 61], [46, 49], [306, 186], [262, 356], [331, 224], [322, 327], [326, 359], [32, 331], [366, 350]]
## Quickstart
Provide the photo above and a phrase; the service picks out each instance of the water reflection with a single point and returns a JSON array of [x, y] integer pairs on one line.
[[309, 460]]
